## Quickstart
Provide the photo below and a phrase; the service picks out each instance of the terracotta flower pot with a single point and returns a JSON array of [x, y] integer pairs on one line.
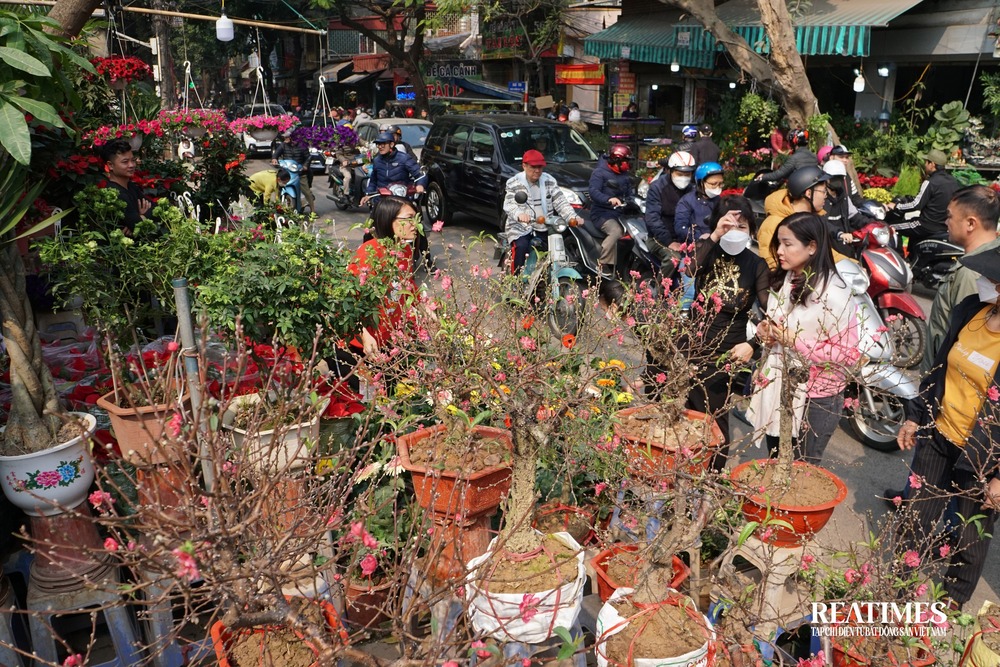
[[223, 638], [456, 492], [40, 482], [650, 458], [366, 603], [846, 653], [606, 585], [806, 521], [555, 516], [138, 431]]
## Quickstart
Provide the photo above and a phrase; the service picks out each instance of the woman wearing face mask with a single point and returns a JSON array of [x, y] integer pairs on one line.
[[811, 331], [724, 263], [695, 208], [955, 420]]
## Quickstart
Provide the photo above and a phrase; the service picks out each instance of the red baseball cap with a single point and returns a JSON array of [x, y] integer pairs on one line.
[[533, 158]]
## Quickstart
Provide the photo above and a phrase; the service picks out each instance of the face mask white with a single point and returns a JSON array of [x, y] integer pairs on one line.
[[734, 241], [987, 289], [711, 193], [680, 182]]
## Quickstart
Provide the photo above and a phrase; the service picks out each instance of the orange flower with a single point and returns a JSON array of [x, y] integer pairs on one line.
[[527, 322], [568, 341], [507, 422]]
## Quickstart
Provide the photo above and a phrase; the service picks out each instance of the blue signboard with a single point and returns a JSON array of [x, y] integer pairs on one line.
[[405, 93], [516, 86]]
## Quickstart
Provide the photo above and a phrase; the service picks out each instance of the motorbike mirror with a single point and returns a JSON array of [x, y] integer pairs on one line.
[[521, 197]]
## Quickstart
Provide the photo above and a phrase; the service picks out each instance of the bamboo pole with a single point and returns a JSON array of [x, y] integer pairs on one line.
[[185, 15]]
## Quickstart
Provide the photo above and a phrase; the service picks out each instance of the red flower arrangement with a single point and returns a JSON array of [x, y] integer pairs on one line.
[[106, 133], [122, 68], [876, 181]]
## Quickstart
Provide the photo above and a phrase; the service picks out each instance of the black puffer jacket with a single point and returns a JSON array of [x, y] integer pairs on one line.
[[802, 157]]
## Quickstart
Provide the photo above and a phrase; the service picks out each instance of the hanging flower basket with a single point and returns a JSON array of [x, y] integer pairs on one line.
[[264, 128], [192, 122], [122, 70], [134, 133]]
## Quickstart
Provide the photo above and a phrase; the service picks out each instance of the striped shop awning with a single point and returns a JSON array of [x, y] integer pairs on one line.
[[828, 27], [645, 40]]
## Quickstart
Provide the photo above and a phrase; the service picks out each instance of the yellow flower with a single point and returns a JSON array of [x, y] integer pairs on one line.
[[451, 409], [606, 382], [403, 390], [624, 397], [595, 410], [617, 363], [324, 466], [505, 389]]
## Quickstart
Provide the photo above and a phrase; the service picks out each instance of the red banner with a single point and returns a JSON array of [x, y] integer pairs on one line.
[[580, 75]]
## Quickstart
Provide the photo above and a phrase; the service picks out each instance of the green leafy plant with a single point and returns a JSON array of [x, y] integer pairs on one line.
[[219, 178], [757, 115], [950, 123], [817, 128], [909, 182]]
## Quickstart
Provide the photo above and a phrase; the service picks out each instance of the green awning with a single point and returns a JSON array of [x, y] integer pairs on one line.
[[645, 40], [828, 27]]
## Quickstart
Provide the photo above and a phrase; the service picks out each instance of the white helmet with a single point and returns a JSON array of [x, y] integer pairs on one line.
[[681, 161], [835, 168]]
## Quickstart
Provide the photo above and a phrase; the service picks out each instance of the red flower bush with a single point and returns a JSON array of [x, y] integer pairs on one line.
[[119, 68], [876, 181]]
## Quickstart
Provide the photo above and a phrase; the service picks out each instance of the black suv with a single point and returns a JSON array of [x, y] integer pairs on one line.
[[470, 157]]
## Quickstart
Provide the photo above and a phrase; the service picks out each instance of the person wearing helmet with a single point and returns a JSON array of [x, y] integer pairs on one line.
[[695, 207], [610, 187], [689, 134], [704, 149], [397, 133], [801, 157], [806, 193], [823, 154], [842, 215], [661, 208], [393, 166], [545, 198], [286, 149]]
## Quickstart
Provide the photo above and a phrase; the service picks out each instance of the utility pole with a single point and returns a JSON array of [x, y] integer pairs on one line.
[[164, 58]]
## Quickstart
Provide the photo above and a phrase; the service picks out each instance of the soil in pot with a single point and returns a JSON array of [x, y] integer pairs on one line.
[[665, 430], [670, 630], [555, 566], [470, 452], [274, 647], [69, 430], [807, 488], [579, 523], [991, 639]]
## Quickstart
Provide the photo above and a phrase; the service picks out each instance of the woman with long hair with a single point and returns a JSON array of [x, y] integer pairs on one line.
[[811, 333]]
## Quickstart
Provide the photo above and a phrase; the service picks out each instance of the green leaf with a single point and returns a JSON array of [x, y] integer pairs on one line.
[[747, 532], [47, 222], [14, 135], [41, 110], [23, 62]]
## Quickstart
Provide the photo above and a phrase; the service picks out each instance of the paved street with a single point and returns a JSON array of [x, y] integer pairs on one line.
[[866, 472]]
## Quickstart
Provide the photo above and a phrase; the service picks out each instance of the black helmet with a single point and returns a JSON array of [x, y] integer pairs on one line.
[[798, 137], [804, 178]]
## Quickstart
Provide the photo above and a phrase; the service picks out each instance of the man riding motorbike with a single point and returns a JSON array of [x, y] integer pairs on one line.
[[932, 199], [610, 187], [801, 157], [393, 166], [545, 199], [661, 207], [286, 150], [397, 133]]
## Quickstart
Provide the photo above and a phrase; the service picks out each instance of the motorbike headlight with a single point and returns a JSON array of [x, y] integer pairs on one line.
[[398, 189], [572, 197], [881, 236], [852, 274], [643, 188]]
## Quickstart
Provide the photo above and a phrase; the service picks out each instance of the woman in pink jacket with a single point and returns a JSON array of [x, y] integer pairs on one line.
[[811, 331]]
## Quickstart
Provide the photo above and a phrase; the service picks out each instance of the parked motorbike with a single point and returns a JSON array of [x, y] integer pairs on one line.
[[931, 259], [889, 283], [877, 392], [360, 173], [291, 192], [549, 270]]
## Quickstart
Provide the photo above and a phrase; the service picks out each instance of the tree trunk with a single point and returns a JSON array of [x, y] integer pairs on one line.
[[72, 15], [518, 536], [786, 63], [33, 421], [168, 82]]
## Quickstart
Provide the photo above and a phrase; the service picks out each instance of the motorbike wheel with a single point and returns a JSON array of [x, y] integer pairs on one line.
[[908, 335], [877, 429], [564, 313]]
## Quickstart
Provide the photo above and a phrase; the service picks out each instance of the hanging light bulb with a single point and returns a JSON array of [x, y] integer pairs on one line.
[[224, 26], [732, 84], [859, 83], [675, 66]]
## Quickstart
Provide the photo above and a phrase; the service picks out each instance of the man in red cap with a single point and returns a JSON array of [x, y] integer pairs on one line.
[[526, 222]]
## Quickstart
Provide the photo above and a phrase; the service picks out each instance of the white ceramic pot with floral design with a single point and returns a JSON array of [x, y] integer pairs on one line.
[[49, 482]]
